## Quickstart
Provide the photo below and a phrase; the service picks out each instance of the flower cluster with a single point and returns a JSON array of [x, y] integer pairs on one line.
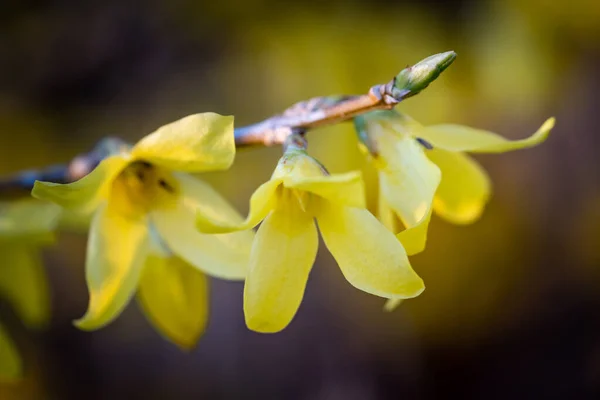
[[157, 231]]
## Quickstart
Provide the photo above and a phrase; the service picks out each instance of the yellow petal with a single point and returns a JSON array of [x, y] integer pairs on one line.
[[23, 282], [463, 138], [347, 189], [116, 251], [85, 194], [263, 200], [414, 239], [464, 190], [297, 164], [408, 179], [223, 256], [28, 217], [11, 367], [282, 256], [300, 171], [387, 216], [370, 256], [199, 142], [174, 297], [391, 304]]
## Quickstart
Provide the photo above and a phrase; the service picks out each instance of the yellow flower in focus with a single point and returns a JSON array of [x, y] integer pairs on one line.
[[143, 199], [424, 169], [25, 226], [285, 247]]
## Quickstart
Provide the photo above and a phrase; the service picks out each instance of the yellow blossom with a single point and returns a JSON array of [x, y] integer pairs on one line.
[[285, 247], [25, 226], [172, 293], [144, 199], [424, 168]]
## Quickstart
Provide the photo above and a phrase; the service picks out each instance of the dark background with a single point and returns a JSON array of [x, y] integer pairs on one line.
[[512, 303]]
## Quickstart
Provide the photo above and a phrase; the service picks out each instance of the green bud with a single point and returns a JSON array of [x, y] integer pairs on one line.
[[412, 80]]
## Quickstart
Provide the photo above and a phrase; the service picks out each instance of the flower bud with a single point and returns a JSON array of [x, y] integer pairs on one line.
[[412, 80]]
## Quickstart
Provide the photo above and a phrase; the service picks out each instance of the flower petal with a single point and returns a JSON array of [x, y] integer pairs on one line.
[[85, 194], [23, 282], [223, 256], [174, 297], [391, 304], [11, 367], [387, 216], [465, 187], [300, 171], [196, 143], [369, 255], [414, 239], [263, 200], [347, 189], [463, 138], [408, 179], [116, 251], [282, 256]]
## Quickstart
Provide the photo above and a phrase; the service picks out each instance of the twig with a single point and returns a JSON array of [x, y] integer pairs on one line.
[[321, 111]]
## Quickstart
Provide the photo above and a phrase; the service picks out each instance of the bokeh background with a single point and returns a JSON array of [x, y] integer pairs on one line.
[[512, 306]]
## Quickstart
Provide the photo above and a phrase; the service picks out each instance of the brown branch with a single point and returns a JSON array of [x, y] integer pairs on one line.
[[321, 111]]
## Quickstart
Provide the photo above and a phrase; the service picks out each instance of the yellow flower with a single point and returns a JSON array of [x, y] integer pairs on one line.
[[25, 226], [143, 199], [172, 293], [424, 169], [285, 247]]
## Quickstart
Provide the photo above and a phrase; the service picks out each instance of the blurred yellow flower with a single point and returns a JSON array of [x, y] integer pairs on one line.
[[411, 161], [285, 247], [25, 226], [143, 199]]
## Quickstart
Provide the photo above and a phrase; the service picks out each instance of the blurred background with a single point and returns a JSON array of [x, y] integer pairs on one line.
[[512, 306]]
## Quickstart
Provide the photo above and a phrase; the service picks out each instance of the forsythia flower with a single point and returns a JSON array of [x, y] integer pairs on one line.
[[142, 234], [285, 247], [25, 225], [424, 168], [172, 293]]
